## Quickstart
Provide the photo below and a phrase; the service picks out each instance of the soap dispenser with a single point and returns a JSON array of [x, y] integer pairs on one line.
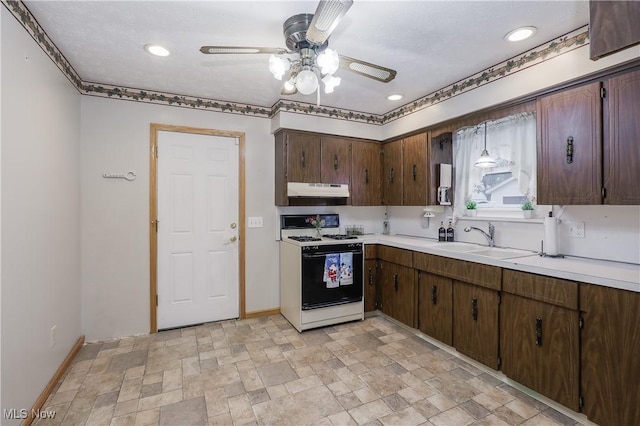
[[442, 232], [450, 233]]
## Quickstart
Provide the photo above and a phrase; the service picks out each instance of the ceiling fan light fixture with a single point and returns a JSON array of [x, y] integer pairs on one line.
[[278, 66], [328, 61], [156, 50], [289, 86], [307, 81], [520, 34], [330, 82]]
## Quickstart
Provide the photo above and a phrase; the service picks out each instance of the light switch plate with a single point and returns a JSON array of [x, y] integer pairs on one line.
[[255, 222], [576, 229]]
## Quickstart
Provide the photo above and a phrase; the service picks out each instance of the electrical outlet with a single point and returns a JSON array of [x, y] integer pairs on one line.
[[255, 222], [53, 336], [576, 229]]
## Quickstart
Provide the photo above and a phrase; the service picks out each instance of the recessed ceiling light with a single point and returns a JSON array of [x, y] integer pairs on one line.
[[395, 97], [520, 34], [156, 50]]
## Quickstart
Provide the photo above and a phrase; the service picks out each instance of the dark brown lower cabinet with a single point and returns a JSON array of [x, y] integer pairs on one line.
[[610, 355], [539, 335], [539, 347], [435, 306], [397, 294], [475, 322], [370, 279]]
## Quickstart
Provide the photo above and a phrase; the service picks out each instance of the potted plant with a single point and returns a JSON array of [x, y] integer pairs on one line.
[[527, 208], [318, 224], [471, 208]]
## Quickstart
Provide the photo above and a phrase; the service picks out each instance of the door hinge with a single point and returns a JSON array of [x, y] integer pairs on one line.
[[499, 361], [155, 223], [155, 151], [603, 92], [499, 298], [603, 192], [580, 401], [419, 274], [156, 300], [581, 322]]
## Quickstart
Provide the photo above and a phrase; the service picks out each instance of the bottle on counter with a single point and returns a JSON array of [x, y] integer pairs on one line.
[[450, 233], [442, 232]]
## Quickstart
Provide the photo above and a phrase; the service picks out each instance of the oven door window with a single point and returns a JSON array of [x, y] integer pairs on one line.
[[330, 279]]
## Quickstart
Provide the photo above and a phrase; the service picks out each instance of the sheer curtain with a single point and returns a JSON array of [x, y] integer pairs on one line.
[[511, 141]]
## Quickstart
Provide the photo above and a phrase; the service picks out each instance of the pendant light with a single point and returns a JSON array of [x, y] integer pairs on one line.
[[485, 161]]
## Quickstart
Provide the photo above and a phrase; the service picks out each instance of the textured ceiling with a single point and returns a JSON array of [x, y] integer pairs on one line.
[[430, 43]]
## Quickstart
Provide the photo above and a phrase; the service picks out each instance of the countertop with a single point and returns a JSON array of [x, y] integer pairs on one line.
[[624, 276]]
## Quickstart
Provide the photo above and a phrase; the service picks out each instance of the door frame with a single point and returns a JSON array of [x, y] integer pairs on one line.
[[153, 212]]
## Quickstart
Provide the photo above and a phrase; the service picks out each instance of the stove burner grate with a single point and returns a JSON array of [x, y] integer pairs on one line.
[[304, 238]]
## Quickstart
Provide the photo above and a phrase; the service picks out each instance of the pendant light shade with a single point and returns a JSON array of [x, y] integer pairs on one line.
[[485, 161]]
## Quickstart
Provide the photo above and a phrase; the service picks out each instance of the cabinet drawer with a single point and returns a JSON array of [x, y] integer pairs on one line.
[[396, 255], [476, 273], [538, 287], [371, 251]]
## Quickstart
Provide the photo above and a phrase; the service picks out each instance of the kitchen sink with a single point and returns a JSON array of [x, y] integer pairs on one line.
[[459, 247], [500, 253]]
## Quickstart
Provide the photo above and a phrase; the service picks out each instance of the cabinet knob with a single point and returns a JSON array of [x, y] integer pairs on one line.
[[414, 172], [570, 150], [474, 309], [303, 160], [434, 295], [366, 175], [370, 276], [538, 331], [391, 175], [336, 164], [395, 281]]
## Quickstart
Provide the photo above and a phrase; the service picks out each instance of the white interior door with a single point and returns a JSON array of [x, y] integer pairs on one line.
[[197, 276]]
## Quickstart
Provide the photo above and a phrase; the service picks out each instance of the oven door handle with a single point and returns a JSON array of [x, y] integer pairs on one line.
[[316, 255]]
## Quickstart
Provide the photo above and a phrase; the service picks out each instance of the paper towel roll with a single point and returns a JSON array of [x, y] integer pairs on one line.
[[551, 236]]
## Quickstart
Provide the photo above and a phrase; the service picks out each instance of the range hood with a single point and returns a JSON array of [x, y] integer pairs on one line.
[[317, 190]]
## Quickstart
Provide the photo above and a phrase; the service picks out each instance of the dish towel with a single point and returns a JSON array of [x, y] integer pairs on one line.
[[331, 274], [346, 268]]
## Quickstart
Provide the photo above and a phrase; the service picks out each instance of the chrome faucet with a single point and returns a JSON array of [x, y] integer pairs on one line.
[[489, 236]]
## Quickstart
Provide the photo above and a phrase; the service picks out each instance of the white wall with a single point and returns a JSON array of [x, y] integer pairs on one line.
[[115, 213], [40, 216]]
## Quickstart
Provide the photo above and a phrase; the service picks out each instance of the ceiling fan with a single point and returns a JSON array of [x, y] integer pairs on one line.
[[307, 58]]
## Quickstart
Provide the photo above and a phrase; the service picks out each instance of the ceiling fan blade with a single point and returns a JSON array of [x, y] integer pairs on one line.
[[326, 19], [367, 69], [234, 50]]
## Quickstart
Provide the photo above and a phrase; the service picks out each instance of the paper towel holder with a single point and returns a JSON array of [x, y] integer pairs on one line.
[[543, 254]]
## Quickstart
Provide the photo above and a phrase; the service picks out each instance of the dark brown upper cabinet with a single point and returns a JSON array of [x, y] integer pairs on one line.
[[414, 170], [335, 160], [588, 150], [366, 173], [613, 26], [392, 173]]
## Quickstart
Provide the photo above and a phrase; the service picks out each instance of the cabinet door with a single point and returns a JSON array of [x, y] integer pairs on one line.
[[415, 173], [622, 142], [392, 175], [610, 341], [336, 160], [397, 292], [435, 306], [440, 152], [475, 322], [370, 298], [366, 174], [539, 347], [569, 146], [303, 157]]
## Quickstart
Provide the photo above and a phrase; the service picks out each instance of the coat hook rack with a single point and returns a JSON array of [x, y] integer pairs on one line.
[[130, 176]]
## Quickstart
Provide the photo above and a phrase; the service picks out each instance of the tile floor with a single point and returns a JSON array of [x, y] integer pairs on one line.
[[262, 371]]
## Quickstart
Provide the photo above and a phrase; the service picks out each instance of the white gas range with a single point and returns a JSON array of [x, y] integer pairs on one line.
[[321, 277]]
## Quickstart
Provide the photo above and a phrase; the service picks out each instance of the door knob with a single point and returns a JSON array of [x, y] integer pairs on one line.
[[233, 225], [233, 238]]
